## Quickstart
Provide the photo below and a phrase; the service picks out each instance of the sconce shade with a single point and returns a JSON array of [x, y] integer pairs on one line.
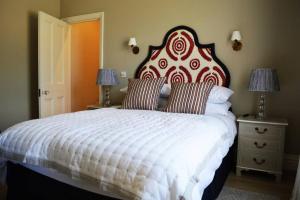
[[264, 80], [107, 77], [132, 42], [236, 35]]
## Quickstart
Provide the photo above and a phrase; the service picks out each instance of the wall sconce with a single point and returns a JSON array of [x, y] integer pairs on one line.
[[236, 39], [132, 43]]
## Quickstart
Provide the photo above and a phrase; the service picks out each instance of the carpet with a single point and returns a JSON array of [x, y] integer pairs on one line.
[[229, 193]]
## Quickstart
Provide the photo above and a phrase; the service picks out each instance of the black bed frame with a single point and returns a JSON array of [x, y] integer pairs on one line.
[[24, 183]]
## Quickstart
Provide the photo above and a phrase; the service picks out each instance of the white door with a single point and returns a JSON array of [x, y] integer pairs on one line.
[[54, 66]]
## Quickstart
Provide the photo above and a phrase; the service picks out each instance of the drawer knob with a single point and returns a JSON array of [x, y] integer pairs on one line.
[[262, 161], [261, 131], [260, 146]]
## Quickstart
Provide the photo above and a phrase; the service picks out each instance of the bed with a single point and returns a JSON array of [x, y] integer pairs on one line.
[[129, 154]]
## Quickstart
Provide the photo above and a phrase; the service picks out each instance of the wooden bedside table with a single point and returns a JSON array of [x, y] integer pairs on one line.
[[261, 145], [98, 106]]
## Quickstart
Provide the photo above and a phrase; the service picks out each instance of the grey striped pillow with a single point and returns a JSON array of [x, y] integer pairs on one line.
[[189, 97], [143, 94]]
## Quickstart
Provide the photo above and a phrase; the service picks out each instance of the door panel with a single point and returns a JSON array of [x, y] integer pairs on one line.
[[54, 69]]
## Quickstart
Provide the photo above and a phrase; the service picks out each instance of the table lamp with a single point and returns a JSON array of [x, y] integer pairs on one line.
[[107, 78], [263, 80]]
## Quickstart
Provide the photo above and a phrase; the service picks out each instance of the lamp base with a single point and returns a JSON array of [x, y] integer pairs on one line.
[[107, 96], [261, 115], [135, 49], [237, 45]]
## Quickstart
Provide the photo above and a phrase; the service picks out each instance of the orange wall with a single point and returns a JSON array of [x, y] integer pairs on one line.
[[84, 64]]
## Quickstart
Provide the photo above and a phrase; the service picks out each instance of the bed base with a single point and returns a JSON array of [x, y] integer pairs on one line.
[[213, 190], [24, 183]]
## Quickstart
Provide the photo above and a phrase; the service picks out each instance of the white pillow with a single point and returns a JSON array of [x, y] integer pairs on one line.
[[219, 94], [217, 108], [165, 90]]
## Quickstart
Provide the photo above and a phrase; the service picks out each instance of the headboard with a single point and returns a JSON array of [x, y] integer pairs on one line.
[[181, 58]]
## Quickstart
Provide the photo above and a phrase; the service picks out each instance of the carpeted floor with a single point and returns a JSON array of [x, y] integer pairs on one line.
[[229, 193]]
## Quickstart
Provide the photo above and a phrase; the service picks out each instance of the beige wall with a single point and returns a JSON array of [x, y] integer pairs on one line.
[[84, 64], [18, 58], [270, 30]]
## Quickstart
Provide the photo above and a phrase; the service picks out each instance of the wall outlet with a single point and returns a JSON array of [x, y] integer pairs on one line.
[[123, 74]]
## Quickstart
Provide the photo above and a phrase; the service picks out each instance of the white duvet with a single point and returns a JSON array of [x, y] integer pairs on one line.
[[134, 154]]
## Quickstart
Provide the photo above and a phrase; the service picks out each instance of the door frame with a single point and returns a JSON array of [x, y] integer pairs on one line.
[[86, 18]]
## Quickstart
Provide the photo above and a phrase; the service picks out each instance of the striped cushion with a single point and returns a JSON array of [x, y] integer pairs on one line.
[[189, 97], [143, 94]]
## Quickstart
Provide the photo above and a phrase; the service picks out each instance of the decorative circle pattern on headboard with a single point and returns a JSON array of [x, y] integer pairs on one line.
[[181, 58]]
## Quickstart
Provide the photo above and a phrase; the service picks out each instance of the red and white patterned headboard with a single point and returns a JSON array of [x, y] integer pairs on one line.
[[181, 58]]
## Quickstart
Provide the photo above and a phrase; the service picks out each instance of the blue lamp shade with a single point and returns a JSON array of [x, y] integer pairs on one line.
[[107, 77], [264, 80]]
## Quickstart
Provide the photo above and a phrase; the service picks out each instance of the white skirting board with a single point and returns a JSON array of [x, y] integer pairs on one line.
[[290, 162]]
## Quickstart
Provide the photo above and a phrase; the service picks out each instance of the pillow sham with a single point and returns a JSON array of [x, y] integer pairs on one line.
[[143, 94], [164, 92], [188, 97], [217, 108], [219, 94]]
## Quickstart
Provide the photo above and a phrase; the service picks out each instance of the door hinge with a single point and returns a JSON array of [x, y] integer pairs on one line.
[[39, 92]]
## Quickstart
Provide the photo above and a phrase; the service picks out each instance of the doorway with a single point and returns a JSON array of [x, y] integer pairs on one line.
[[68, 62], [86, 59], [84, 64], [64, 60]]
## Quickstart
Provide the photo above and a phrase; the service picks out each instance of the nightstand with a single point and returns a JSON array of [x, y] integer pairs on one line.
[[261, 145], [98, 106]]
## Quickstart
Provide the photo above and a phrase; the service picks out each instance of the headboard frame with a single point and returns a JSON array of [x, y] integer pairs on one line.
[[181, 58]]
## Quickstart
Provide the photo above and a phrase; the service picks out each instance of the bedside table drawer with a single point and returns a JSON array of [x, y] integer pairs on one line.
[[261, 161], [259, 145], [261, 131]]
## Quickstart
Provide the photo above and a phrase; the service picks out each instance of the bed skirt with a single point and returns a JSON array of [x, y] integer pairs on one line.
[[24, 183]]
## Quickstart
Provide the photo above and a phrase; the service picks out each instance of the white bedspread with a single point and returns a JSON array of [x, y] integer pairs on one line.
[[132, 153]]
